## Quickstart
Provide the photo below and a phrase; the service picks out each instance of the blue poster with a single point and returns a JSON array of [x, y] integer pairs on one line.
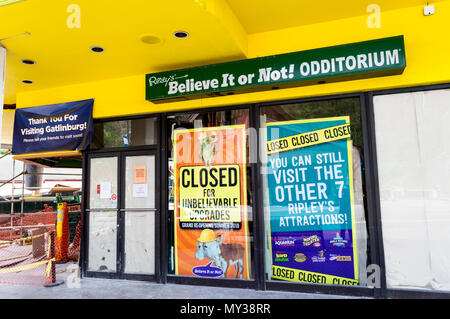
[[310, 193], [50, 128]]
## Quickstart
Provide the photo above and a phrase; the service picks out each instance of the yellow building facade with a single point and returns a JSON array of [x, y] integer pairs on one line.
[[331, 185]]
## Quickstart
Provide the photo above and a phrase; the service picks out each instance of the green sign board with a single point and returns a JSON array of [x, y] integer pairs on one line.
[[359, 60]]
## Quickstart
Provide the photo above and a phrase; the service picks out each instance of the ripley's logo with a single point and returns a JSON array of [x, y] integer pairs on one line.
[[153, 80]]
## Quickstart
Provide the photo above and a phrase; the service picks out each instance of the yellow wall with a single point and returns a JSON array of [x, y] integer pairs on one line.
[[427, 55]]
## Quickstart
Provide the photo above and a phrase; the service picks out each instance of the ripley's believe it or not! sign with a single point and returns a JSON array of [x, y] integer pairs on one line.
[[359, 60]]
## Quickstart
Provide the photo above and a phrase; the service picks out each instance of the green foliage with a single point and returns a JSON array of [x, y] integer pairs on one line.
[[114, 132]]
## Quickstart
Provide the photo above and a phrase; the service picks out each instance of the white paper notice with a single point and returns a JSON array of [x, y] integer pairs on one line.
[[105, 190], [140, 190]]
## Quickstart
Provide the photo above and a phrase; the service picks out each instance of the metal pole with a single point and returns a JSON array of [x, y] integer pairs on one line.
[[23, 198], [11, 179], [30, 226], [12, 198], [35, 214], [39, 199], [4, 155], [54, 174], [39, 188]]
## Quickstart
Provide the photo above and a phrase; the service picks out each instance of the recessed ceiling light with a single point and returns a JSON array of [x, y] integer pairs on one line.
[[150, 39], [25, 61], [180, 34], [97, 49], [27, 81]]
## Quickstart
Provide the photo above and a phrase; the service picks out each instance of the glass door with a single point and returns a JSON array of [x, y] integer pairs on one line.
[[121, 215], [137, 213], [102, 214]]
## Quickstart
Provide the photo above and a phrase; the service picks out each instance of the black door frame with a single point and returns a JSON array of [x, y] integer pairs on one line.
[[120, 211], [86, 211], [371, 220], [121, 153]]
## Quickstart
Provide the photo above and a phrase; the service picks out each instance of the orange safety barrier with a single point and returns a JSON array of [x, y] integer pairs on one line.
[[29, 264], [62, 233], [50, 273], [74, 248], [12, 229]]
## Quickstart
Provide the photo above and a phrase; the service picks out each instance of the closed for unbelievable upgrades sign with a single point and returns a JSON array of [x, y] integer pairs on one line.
[[211, 234], [373, 58]]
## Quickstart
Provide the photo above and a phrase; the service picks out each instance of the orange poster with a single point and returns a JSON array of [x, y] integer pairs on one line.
[[140, 174], [211, 230]]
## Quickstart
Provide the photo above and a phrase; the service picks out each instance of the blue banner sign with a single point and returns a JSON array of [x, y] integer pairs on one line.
[[310, 192], [51, 128]]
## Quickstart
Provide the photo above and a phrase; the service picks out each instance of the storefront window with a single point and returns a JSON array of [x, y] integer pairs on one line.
[[313, 189], [125, 133], [413, 156], [210, 199]]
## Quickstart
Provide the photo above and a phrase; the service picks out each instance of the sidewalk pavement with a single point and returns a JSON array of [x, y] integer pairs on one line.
[[94, 288]]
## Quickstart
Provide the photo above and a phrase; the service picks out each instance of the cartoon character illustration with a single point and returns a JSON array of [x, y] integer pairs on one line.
[[223, 255], [208, 148]]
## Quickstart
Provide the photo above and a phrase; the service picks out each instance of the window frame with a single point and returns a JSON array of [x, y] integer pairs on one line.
[[154, 146], [393, 292], [259, 282], [371, 221]]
